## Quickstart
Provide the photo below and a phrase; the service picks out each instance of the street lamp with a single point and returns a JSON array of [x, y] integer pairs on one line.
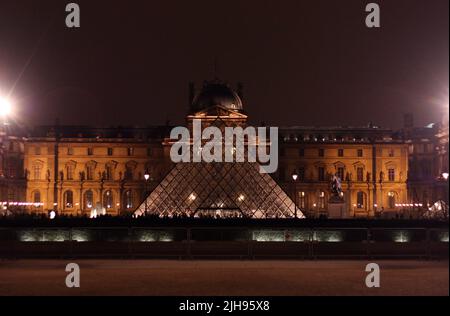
[[5, 107], [146, 177], [445, 175], [295, 177]]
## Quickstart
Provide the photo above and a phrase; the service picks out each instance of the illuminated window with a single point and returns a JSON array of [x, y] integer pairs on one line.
[[391, 199], [128, 199], [68, 199], [322, 200], [302, 200], [360, 199], [130, 151], [108, 200], [88, 199]]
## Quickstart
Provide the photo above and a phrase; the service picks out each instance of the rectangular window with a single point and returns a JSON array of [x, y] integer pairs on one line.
[[391, 153], [37, 150], [69, 151], [110, 151], [301, 174], [130, 151], [360, 174], [322, 200], [340, 152], [321, 152], [360, 152], [149, 151], [301, 152], [69, 172], [340, 173], [90, 151], [90, 173], [321, 174], [391, 174], [302, 200]]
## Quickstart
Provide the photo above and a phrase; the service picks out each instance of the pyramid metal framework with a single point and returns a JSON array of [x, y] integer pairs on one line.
[[225, 189]]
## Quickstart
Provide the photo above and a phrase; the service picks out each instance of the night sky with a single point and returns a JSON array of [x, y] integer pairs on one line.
[[301, 62]]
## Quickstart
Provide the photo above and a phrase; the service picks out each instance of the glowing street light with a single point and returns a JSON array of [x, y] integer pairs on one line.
[[5, 107], [445, 175]]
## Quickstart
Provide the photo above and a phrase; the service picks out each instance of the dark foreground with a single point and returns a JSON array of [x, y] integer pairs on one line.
[[222, 277]]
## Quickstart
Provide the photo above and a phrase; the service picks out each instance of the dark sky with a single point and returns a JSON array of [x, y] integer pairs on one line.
[[301, 62]]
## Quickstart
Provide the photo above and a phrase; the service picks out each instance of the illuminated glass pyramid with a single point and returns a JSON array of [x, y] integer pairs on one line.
[[218, 189]]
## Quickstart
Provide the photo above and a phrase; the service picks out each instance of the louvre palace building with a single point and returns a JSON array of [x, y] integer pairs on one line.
[[81, 171]]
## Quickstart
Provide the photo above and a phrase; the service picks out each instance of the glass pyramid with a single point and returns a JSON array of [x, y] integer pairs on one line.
[[218, 189]]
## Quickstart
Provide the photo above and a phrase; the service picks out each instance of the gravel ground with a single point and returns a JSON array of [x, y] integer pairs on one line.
[[221, 277]]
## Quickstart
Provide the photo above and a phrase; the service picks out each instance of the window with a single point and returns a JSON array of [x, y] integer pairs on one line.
[[321, 174], [340, 173], [322, 200], [69, 151], [128, 200], [70, 172], [360, 199], [36, 197], [302, 200], [128, 173], [110, 151], [37, 150], [149, 151], [88, 199], [360, 152], [90, 151], [90, 172], [68, 199], [321, 152], [108, 200], [109, 173], [391, 199], [37, 172], [340, 152], [301, 174], [301, 152], [391, 153], [360, 174], [130, 151], [391, 174]]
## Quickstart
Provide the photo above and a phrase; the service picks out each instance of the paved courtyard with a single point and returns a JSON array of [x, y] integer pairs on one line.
[[221, 277]]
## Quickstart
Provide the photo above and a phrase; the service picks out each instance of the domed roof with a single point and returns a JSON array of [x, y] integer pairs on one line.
[[216, 93]]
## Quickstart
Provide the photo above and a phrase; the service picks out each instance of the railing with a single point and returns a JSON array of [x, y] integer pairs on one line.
[[218, 242]]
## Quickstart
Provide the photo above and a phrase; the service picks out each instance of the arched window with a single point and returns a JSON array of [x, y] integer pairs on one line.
[[128, 199], [68, 199], [88, 200], [360, 199], [391, 199], [108, 199]]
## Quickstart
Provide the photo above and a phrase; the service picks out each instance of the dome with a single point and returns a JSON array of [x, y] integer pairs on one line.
[[215, 93]]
